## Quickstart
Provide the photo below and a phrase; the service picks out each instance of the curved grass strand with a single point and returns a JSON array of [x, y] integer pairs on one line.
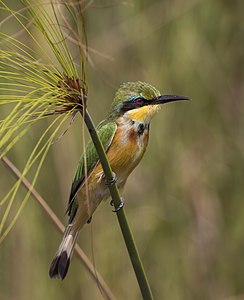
[[32, 159]]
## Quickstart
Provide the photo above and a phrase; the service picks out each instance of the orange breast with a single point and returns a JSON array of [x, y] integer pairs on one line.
[[126, 151], [124, 154]]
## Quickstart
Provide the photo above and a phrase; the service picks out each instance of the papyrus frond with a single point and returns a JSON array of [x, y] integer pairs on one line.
[[38, 79]]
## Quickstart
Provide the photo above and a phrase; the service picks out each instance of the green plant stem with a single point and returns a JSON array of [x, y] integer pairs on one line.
[[128, 237], [58, 224]]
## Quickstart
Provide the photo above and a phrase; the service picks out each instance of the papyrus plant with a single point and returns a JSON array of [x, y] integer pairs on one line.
[[38, 79]]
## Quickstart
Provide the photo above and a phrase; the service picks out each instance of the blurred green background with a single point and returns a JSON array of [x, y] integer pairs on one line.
[[185, 200]]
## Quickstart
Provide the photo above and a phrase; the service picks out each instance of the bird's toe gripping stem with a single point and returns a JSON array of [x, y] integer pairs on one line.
[[120, 206], [112, 181]]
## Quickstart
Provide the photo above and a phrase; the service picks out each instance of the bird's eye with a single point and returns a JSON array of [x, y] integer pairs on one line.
[[138, 100]]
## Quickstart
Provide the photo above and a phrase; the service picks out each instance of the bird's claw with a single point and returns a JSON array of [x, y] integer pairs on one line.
[[112, 181], [119, 207], [89, 220]]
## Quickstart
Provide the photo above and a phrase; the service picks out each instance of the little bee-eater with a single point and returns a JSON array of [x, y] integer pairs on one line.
[[124, 135]]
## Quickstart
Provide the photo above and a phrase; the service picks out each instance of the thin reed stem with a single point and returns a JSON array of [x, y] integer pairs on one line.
[[108, 295], [122, 219]]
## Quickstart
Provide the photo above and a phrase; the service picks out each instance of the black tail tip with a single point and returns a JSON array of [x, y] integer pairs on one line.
[[59, 266]]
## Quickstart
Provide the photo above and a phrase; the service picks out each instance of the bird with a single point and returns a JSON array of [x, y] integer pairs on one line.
[[124, 134]]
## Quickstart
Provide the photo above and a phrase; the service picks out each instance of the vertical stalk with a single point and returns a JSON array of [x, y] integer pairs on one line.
[[122, 219], [108, 295]]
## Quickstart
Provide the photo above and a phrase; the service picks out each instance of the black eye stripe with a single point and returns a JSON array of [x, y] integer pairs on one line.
[[134, 103]]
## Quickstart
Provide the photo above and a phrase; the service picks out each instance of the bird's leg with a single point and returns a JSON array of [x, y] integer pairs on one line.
[[120, 206]]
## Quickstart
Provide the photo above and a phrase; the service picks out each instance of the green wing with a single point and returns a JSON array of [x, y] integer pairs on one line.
[[106, 134]]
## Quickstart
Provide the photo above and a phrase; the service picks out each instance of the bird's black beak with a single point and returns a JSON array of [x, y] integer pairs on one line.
[[167, 98]]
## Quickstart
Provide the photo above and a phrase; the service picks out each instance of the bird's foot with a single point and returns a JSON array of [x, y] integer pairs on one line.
[[120, 206], [89, 220], [112, 181], [101, 177]]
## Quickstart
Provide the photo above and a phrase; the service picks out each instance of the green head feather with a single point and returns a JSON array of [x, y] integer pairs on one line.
[[128, 91]]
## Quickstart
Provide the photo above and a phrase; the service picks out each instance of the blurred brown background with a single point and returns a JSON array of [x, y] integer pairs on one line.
[[185, 201]]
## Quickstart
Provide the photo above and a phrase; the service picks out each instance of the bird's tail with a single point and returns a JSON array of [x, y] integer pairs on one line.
[[60, 264]]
